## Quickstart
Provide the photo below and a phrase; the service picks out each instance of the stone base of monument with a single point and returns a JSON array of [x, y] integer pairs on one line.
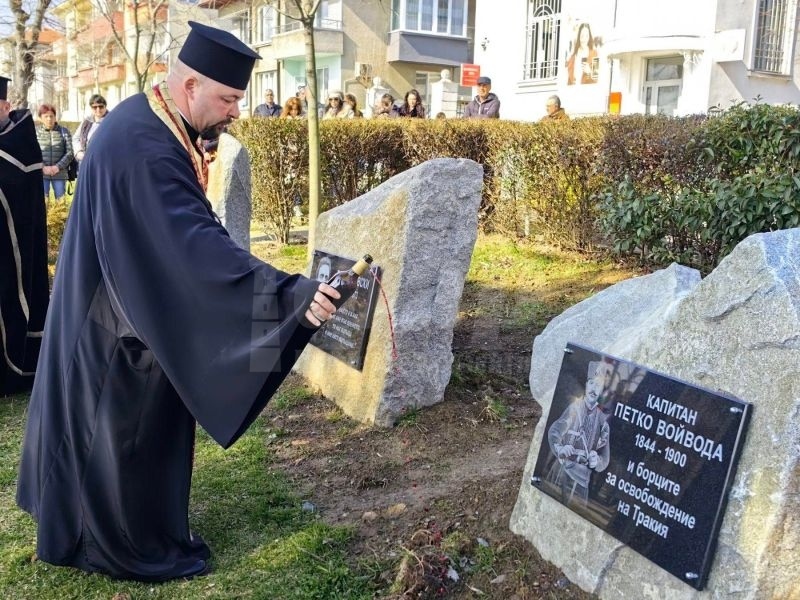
[[420, 227], [736, 332], [229, 189]]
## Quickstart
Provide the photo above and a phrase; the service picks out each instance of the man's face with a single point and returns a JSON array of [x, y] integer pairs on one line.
[[212, 104], [596, 384], [269, 97], [551, 107], [483, 90], [5, 109]]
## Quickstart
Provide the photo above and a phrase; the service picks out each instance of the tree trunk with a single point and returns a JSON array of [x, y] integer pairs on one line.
[[24, 50], [314, 183]]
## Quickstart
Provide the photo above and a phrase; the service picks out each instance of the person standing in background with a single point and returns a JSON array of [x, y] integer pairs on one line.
[[385, 108], [88, 127], [269, 108], [554, 110], [24, 287], [412, 106], [485, 105], [351, 100], [56, 144], [337, 108]]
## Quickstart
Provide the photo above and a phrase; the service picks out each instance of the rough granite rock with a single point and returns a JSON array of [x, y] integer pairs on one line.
[[229, 189], [420, 227], [737, 331]]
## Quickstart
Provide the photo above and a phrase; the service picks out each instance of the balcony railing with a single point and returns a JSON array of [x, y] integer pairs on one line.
[[297, 25]]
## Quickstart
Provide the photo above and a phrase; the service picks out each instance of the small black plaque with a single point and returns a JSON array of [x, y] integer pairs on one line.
[[647, 458], [346, 334]]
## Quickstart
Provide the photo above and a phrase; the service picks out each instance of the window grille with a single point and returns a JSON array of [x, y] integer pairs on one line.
[[772, 41], [542, 35]]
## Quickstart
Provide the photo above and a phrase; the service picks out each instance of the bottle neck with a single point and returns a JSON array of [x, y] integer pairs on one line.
[[360, 267]]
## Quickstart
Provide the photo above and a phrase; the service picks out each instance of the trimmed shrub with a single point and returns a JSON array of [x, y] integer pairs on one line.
[[278, 151], [357, 155]]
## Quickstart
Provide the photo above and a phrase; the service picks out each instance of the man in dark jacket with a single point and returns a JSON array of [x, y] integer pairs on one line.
[[270, 108], [485, 105], [24, 293]]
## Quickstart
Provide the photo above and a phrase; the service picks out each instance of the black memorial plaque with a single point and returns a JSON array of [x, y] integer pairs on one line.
[[346, 334], [645, 457]]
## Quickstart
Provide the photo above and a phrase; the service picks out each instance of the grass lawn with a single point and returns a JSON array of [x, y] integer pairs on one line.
[[264, 545]]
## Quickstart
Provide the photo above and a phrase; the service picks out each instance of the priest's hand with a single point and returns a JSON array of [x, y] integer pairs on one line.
[[321, 308]]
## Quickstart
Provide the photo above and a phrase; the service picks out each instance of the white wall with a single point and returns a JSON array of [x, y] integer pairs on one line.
[[630, 32], [734, 81]]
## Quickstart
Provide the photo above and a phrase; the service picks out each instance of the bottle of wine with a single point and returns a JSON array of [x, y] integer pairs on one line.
[[345, 282]]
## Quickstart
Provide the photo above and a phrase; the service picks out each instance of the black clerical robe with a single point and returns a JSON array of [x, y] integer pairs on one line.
[[24, 286], [158, 319]]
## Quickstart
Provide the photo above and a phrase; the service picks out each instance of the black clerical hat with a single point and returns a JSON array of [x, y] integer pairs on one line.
[[219, 55], [4, 87]]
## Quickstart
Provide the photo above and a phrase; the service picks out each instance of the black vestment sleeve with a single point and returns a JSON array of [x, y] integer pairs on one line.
[[225, 327]]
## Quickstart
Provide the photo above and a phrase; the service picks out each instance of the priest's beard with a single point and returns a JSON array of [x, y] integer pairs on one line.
[[213, 132]]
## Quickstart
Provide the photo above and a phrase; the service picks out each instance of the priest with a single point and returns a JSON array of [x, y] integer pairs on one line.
[[24, 287], [158, 321]]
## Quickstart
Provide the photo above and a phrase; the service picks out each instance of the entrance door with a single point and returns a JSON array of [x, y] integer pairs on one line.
[[663, 84]]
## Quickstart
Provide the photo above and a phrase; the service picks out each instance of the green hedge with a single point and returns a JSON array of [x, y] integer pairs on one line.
[[648, 188]]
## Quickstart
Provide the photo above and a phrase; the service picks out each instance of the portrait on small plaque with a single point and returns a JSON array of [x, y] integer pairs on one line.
[[646, 457], [580, 438], [345, 335]]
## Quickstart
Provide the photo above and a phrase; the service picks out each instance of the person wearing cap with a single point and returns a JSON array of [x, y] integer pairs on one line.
[[24, 286], [159, 321], [269, 108], [485, 105], [88, 127], [337, 108]]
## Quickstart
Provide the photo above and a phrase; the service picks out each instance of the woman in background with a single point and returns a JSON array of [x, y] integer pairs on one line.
[[337, 108], [350, 100], [412, 106], [56, 144], [292, 109]]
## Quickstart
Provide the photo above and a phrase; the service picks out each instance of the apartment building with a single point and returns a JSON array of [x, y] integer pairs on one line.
[[637, 56], [405, 43]]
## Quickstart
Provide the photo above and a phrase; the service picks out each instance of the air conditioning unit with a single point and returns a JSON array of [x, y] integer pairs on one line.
[[363, 71]]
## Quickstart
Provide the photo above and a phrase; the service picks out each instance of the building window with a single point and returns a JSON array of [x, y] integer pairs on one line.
[[266, 80], [773, 35], [266, 24], [662, 87], [542, 36], [446, 17], [239, 25], [329, 15], [423, 80]]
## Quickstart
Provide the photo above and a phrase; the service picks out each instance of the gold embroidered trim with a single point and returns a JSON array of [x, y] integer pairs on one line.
[[163, 106]]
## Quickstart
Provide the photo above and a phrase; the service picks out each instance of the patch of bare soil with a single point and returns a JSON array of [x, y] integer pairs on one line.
[[431, 498]]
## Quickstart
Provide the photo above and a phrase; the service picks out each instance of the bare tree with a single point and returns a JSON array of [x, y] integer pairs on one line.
[[27, 25], [140, 35], [305, 12]]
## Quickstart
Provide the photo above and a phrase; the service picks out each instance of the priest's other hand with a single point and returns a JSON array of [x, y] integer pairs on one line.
[[321, 308]]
